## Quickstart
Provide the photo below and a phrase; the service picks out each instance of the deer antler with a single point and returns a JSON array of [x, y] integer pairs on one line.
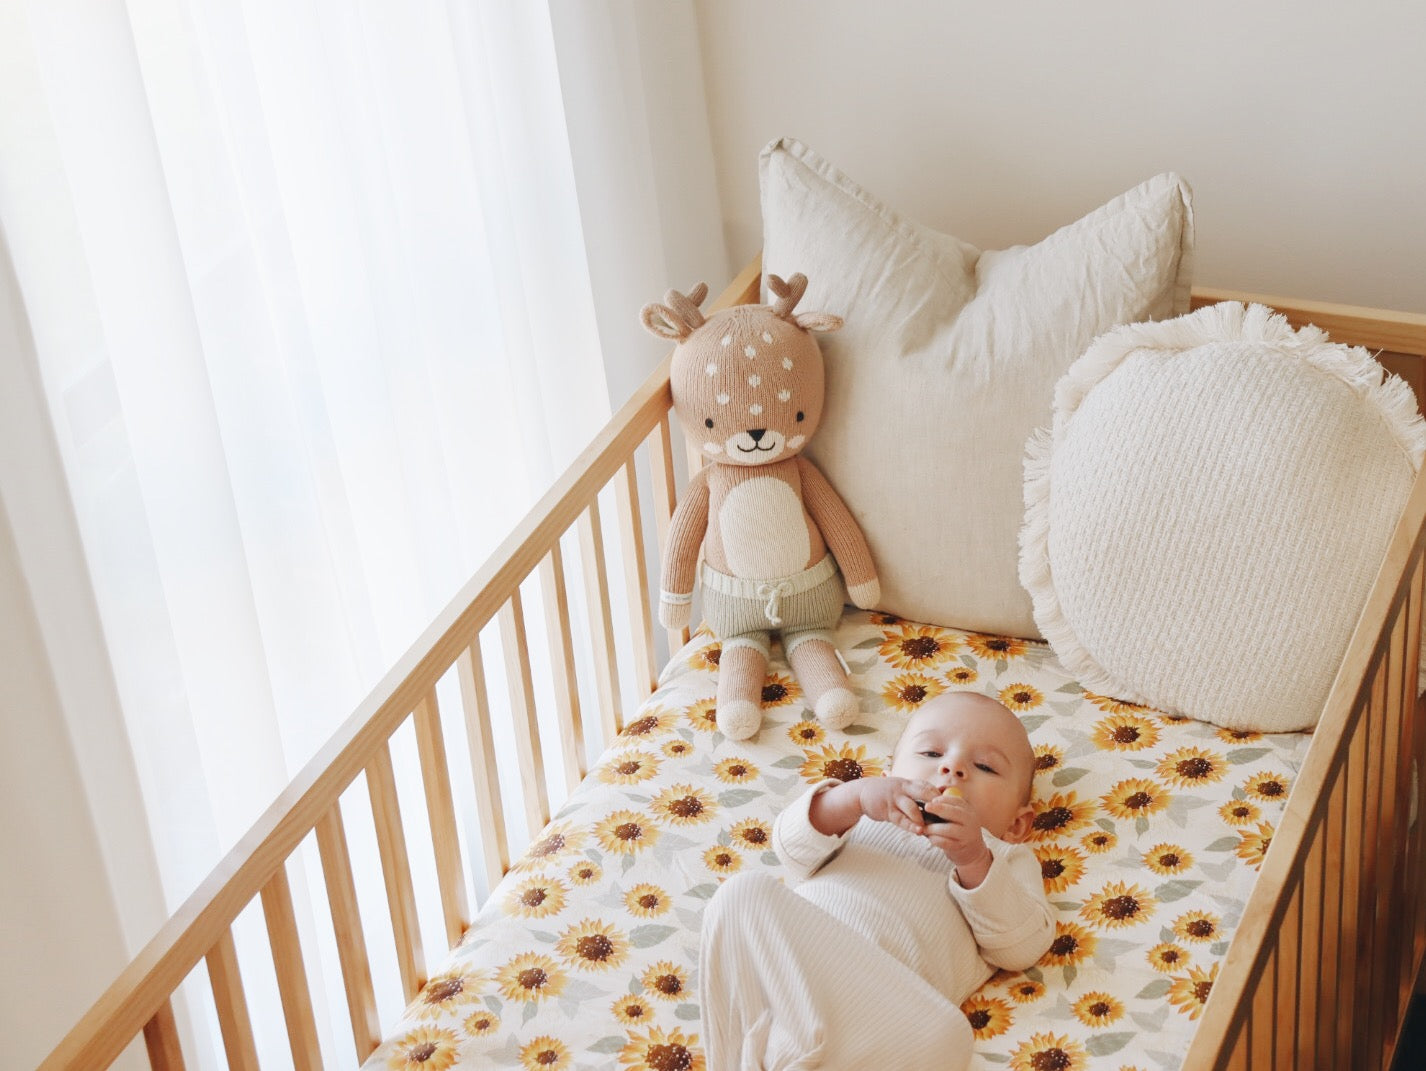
[[788, 293], [679, 317]]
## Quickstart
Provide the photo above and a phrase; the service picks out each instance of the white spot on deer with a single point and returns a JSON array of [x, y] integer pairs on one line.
[[754, 381], [748, 351], [755, 409], [722, 399], [767, 337], [787, 363], [784, 395], [713, 448], [712, 369], [726, 340], [795, 443]]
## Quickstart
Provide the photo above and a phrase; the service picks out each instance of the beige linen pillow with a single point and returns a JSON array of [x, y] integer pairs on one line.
[[948, 361], [1206, 516]]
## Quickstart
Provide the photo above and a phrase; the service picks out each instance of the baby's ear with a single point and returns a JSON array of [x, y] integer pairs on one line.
[[1021, 826], [818, 321]]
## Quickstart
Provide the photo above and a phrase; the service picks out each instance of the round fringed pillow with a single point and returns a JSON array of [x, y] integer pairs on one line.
[[1207, 513]]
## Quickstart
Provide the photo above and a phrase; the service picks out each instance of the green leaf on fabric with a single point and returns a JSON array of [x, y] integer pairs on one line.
[[688, 1012], [644, 936], [703, 892], [736, 797], [609, 1045], [1175, 890], [1159, 987], [1224, 844], [1068, 775], [1104, 1044], [789, 762]]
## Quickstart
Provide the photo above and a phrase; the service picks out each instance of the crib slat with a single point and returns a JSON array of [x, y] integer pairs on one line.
[[1397, 923], [1310, 946], [291, 972], [522, 708], [1367, 1029], [396, 870], [1289, 977], [161, 1040], [1353, 860], [1389, 860], [660, 445], [566, 686], [485, 770], [596, 579], [1333, 914], [636, 579], [445, 841], [232, 1004], [1413, 908], [351, 940], [1260, 1023]]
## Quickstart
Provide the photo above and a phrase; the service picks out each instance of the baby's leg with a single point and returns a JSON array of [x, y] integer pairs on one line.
[[784, 985], [742, 669], [819, 670]]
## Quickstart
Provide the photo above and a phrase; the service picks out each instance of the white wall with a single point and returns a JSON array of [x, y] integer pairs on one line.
[[1301, 126]]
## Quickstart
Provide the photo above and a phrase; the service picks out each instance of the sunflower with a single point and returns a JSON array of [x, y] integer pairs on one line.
[[1269, 787], [1253, 846], [1049, 1051], [1059, 815], [665, 980], [1048, 757], [908, 691], [632, 1010], [1190, 766], [626, 832], [592, 945], [1026, 991], [530, 976], [780, 690], [1201, 927], [1136, 797], [961, 675], [647, 901], [629, 768], [535, 898], [753, 833], [706, 658], [702, 715], [1168, 859], [676, 749], [556, 841], [1125, 732], [1060, 866], [735, 771], [1238, 736], [481, 1023], [1239, 813], [684, 805], [660, 1050], [995, 647], [427, 1048], [1115, 706], [1021, 696], [989, 1016], [545, 1054], [1099, 841], [654, 723], [448, 992], [586, 872], [1190, 993], [806, 733], [1098, 1009], [880, 618], [1072, 944], [1118, 905], [722, 860], [1168, 957], [846, 762], [917, 646]]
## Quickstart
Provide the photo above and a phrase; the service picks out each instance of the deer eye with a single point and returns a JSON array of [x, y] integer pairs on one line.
[[709, 422], [800, 416]]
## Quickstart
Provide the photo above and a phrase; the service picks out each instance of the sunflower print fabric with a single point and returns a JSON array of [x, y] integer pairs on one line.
[[1150, 831]]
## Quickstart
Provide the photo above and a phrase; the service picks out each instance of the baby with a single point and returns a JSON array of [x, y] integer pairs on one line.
[[895, 918]]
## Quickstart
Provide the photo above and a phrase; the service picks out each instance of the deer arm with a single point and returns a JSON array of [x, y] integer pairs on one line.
[[843, 535], [686, 531]]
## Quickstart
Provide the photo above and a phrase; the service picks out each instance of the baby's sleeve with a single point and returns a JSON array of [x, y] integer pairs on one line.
[[797, 842], [1008, 912]]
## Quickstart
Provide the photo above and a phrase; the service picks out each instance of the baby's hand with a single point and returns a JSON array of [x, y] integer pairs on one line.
[[959, 838], [893, 799]]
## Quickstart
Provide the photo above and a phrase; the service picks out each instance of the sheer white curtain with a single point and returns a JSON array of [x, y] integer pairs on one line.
[[312, 314]]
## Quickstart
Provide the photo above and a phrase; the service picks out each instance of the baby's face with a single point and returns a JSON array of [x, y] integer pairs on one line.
[[975, 744]]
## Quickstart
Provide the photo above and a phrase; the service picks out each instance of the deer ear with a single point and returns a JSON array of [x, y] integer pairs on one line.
[[818, 321], [662, 321]]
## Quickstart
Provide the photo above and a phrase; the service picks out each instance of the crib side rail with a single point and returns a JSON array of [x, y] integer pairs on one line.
[[1324, 960], [140, 1000]]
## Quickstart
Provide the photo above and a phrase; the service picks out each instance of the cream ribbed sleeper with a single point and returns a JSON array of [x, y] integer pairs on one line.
[[863, 959]]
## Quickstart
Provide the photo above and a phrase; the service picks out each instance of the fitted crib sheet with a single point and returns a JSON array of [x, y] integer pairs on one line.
[[1150, 832]]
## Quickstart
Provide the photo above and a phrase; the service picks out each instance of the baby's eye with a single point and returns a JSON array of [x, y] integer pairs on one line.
[[983, 766], [929, 754]]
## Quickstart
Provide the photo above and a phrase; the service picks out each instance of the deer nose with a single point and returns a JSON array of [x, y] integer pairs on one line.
[[756, 434]]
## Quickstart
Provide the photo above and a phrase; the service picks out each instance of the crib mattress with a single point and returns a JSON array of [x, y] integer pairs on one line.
[[1150, 831]]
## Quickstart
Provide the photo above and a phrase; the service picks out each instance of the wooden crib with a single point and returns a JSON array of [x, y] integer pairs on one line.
[[1318, 974]]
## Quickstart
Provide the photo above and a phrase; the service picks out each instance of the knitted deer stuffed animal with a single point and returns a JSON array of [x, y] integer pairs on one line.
[[748, 387]]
